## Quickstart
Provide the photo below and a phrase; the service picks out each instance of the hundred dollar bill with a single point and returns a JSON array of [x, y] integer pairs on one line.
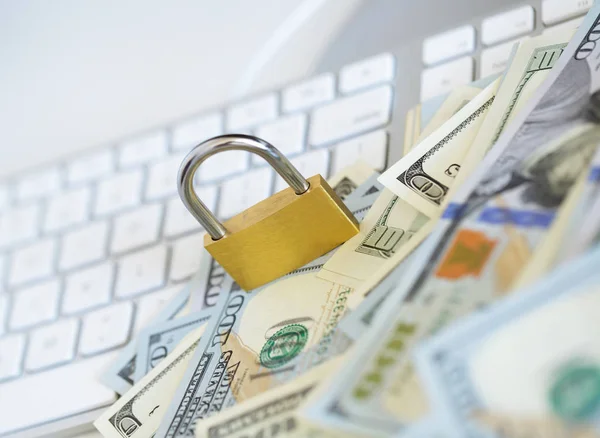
[[259, 340], [346, 181], [138, 413], [357, 322], [548, 369], [426, 117], [423, 177], [210, 277], [272, 413], [120, 376], [156, 342], [387, 228], [529, 65]]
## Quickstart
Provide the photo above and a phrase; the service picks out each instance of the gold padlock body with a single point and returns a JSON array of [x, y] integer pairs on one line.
[[282, 233]]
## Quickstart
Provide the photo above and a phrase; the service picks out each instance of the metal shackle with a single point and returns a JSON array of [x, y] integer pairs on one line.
[[234, 142]]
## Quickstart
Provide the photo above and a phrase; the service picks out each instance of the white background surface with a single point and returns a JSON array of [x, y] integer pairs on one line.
[[78, 74]]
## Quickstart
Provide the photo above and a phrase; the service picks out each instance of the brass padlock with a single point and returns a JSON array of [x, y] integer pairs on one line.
[[280, 233]]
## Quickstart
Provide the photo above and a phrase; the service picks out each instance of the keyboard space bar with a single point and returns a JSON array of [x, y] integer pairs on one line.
[[54, 394]]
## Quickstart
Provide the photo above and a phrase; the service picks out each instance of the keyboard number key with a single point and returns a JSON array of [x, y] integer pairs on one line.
[[310, 93], [507, 25], [32, 262], [39, 184], [67, 209], [18, 225], [12, 348], [242, 192], [252, 112], [137, 228], [370, 148], [88, 288], [84, 245], [52, 345], [141, 272], [375, 70], [447, 45], [106, 328], [119, 192], [286, 134], [446, 77], [188, 134], [90, 167], [35, 305]]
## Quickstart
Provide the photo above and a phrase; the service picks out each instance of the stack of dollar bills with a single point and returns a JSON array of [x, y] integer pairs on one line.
[[467, 306]]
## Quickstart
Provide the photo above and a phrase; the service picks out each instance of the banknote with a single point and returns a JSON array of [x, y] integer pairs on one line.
[[139, 412], [387, 229], [347, 180], [120, 376], [426, 117], [529, 65], [541, 344], [583, 228], [209, 280], [272, 413], [423, 177], [368, 188], [261, 339], [357, 322], [157, 341]]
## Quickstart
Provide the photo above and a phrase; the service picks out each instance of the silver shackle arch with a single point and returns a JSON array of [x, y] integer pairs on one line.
[[234, 142]]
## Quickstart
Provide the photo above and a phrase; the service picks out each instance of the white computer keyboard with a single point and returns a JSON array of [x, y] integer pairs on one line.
[[91, 248], [448, 57]]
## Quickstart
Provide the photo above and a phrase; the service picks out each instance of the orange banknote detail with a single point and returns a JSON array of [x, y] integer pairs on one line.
[[468, 255]]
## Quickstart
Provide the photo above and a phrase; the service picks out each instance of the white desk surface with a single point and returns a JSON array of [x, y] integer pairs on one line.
[[78, 74]]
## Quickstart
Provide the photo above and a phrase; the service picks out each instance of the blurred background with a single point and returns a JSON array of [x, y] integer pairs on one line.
[[77, 74]]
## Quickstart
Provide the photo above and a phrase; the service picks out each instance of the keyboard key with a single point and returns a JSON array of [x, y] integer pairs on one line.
[[35, 305], [555, 11], [88, 288], [119, 192], [33, 262], [286, 134], [187, 254], [309, 164], [162, 178], [179, 220], [370, 148], [143, 149], [223, 165], [52, 345], [136, 228], [495, 60], [567, 25], [310, 93], [252, 112], [91, 167], [67, 209], [150, 305], [350, 116], [450, 44], [242, 192], [11, 356], [188, 134], [50, 398], [446, 77], [372, 71], [84, 245], [141, 272], [106, 328], [18, 225], [39, 184], [507, 25]]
